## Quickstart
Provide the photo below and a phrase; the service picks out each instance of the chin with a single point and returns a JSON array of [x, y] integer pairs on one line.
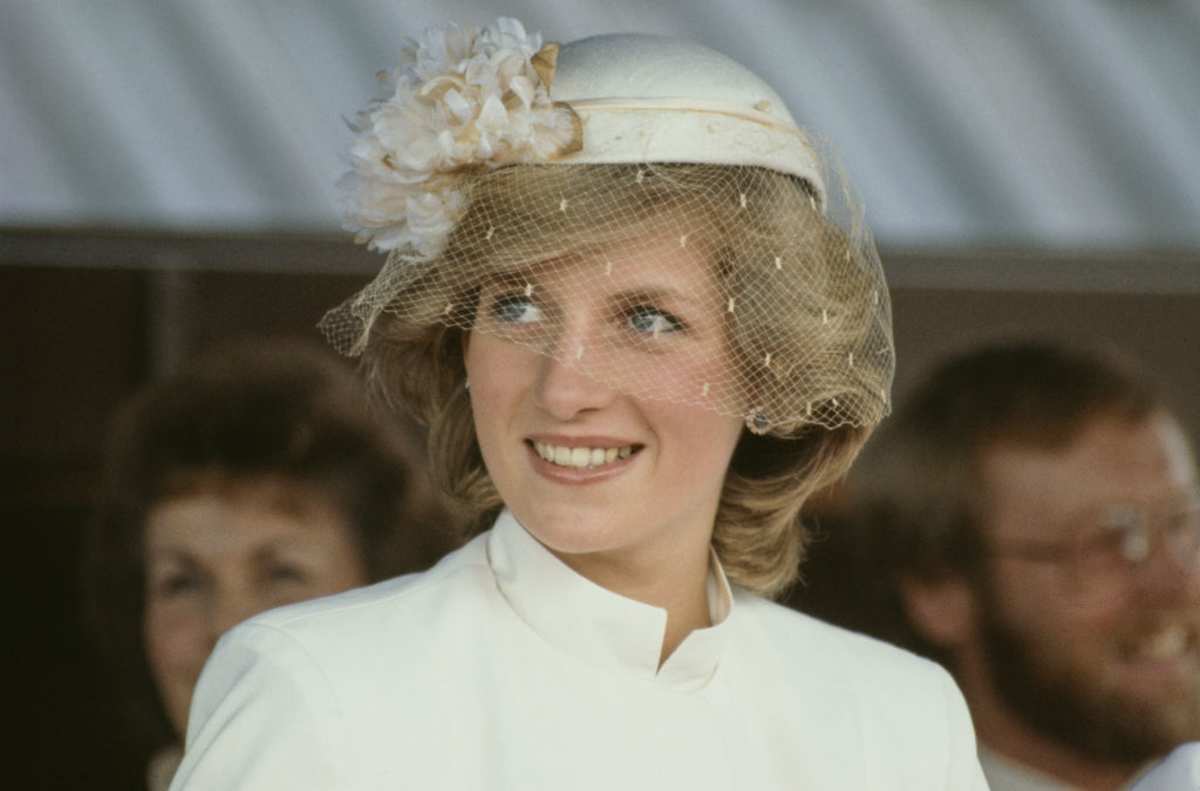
[[571, 528]]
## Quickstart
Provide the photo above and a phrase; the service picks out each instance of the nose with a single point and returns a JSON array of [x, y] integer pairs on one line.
[[563, 389], [231, 606]]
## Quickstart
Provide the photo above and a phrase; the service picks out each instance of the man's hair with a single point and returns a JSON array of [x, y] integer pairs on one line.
[[918, 498], [278, 412]]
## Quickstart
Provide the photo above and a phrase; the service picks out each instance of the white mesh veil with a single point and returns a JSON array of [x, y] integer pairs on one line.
[[676, 238]]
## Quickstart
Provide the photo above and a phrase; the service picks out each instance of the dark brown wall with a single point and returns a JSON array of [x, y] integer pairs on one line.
[[1162, 330], [76, 343]]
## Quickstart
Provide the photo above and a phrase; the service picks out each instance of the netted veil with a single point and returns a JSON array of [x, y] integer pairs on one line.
[[639, 208]]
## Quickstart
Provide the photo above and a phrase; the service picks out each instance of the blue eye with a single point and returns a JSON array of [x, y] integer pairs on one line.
[[652, 321], [516, 309]]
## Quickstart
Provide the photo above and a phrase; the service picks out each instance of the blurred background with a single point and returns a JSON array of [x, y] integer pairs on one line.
[[167, 172]]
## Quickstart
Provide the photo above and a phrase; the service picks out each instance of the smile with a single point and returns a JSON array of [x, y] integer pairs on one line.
[[581, 457], [1170, 643], [1162, 662]]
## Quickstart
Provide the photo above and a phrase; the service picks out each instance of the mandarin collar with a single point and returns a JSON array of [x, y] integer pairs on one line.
[[596, 625]]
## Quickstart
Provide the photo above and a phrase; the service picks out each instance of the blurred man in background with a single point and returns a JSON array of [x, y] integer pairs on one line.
[[1031, 519]]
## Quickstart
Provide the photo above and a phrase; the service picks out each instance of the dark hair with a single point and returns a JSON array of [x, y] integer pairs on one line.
[[246, 412], [917, 499]]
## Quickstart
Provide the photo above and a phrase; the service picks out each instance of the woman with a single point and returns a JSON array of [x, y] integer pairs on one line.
[[252, 479], [617, 296]]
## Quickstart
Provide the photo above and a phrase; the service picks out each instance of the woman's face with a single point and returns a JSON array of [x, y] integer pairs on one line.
[[593, 472], [215, 558]]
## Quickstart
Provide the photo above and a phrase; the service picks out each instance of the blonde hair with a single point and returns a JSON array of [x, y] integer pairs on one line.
[[413, 357]]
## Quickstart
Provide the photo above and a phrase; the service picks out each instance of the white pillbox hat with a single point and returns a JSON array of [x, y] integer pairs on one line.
[[644, 98]]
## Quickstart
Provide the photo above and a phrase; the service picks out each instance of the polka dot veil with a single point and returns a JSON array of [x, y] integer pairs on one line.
[[738, 288]]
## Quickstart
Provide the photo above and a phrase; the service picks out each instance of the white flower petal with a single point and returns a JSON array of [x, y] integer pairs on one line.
[[522, 86], [461, 108], [446, 109], [511, 27], [493, 115]]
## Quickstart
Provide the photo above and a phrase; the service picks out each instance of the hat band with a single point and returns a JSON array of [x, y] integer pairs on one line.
[[686, 105], [633, 131]]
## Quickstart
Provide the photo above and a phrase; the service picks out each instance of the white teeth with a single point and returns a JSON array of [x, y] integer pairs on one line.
[[1167, 644], [581, 457]]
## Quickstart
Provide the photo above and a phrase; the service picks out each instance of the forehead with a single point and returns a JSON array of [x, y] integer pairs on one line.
[[233, 521], [654, 261], [1111, 460]]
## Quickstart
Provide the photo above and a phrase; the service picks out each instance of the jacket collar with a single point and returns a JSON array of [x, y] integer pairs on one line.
[[596, 625]]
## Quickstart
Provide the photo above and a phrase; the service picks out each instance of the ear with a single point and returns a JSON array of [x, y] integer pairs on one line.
[[942, 610]]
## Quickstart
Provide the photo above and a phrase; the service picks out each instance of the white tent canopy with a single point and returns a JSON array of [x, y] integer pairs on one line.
[[1060, 124]]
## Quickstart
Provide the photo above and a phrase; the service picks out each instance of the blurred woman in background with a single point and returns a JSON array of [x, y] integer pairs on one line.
[[254, 478]]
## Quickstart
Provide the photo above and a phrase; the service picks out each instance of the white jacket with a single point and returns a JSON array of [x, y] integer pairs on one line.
[[501, 668]]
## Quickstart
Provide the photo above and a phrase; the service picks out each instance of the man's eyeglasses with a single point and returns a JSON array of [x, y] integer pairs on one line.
[[1117, 538]]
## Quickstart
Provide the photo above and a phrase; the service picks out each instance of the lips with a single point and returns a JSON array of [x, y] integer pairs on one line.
[[1162, 661], [578, 460]]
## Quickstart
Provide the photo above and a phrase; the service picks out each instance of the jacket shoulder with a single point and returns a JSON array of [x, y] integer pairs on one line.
[[901, 708], [796, 631], [408, 605]]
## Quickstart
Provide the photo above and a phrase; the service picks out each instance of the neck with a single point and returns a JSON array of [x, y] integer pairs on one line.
[[1000, 730]]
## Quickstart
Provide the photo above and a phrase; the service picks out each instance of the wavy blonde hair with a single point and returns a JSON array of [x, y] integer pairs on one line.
[[413, 355]]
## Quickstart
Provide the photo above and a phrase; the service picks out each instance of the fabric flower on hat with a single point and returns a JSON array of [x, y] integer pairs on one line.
[[462, 100]]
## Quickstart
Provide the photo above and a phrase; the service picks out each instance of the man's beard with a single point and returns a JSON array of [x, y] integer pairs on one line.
[[1065, 706]]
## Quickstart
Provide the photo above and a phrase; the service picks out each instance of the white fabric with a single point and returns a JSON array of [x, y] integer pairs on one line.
[[501, 668], [644, 98], [1179, 771], [1005, 774]]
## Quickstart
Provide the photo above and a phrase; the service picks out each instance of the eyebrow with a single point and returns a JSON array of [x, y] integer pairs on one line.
[[169, 553], [655, 294], [503, 281], [275, 551], [636, 294]]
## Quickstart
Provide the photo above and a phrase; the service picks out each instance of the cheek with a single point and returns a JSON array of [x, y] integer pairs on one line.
[[481, 369], [177, 640], [488, 425], [1099, 621], [701, 375], [338, 568], [699, 442], [498, 373], [1040, 602]]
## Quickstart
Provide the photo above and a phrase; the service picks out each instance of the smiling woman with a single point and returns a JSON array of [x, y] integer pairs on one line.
[[253, 478], [772, 316], [663, 482], [228, 549], [619, 295]]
